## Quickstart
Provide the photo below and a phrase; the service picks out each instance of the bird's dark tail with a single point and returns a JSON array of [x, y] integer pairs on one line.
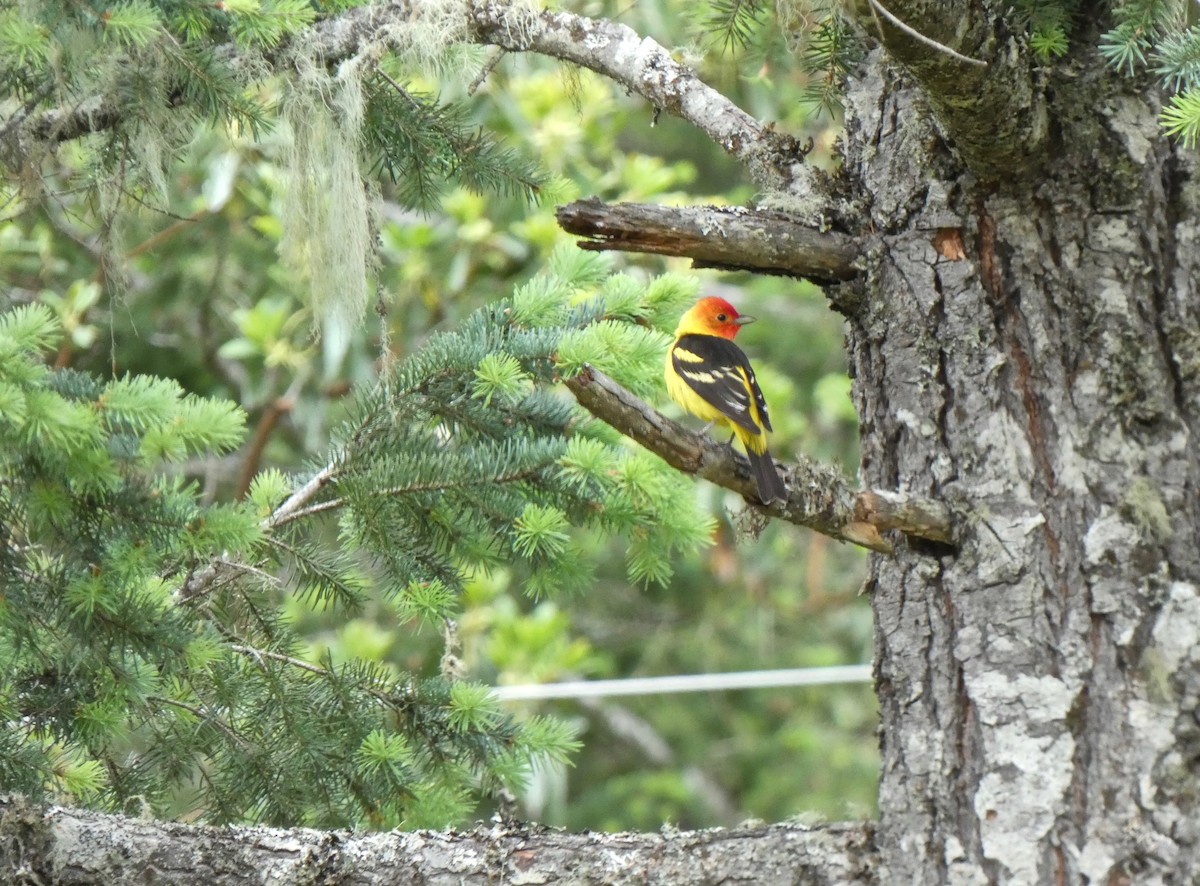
[[766, 475]]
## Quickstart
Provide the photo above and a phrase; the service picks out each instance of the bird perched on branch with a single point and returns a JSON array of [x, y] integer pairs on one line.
[[710, 377]]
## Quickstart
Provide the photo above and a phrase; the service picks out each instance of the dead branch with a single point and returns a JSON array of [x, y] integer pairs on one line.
[[727, 237]]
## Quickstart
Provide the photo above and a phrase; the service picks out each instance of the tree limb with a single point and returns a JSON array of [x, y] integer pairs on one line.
[[774, 160], [729, 237], [982, 91], [819, 497], [72, 846]]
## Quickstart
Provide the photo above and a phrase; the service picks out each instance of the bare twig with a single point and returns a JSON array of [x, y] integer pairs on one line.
[[301, 496], [496, 55]]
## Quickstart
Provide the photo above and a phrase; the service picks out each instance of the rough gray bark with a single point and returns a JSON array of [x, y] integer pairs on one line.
[[70, 846], [1038, 687], [995, 111]]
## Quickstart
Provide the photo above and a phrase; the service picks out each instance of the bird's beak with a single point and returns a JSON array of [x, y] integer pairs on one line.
[[744, 319]]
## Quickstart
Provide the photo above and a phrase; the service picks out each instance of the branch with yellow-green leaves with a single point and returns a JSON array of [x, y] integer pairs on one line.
[[819, 497]]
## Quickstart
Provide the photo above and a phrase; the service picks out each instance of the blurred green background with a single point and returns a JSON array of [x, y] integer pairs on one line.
[[191, 287]]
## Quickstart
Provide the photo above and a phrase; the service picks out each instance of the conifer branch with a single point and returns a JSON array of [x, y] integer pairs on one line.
[[260, 654], [201, 714], [391, 700], [499, 480], [301, 497], [219, 573], [819, 497], [775, 160], [308, 511], [279, 518]]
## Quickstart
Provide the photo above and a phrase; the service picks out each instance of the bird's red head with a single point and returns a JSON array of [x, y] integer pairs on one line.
[[714, 316]]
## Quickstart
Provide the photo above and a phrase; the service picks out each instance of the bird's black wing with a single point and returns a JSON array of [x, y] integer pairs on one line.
[[717, 370]]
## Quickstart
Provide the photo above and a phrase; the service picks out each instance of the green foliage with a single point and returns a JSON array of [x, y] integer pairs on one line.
[[23, 43], [268, 490], [264, 25], [145, 58], [197, 294], [124, 568], [425, 147], [466, 454], [156, 670], [1177, 58], [432, 601], [828, 51], [132, 25], [1139, 25], [156, 71], [541, 533], [1049, 42], [816, 34], [93, 543], [499, 375], [732, 23], [1161, 35], [1181, 118], [1048, 25]]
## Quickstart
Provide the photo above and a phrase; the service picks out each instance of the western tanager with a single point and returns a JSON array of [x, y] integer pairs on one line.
[[710, 377]]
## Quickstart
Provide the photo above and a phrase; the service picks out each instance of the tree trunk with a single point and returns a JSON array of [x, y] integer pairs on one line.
[[1027, 353]]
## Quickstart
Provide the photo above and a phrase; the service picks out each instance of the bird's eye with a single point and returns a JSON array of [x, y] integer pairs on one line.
[[721, 318]]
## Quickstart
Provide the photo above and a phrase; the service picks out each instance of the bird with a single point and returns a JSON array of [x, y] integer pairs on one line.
[[710, 377]]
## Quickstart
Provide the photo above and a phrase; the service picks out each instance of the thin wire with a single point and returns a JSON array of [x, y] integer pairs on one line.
[[687, 683]]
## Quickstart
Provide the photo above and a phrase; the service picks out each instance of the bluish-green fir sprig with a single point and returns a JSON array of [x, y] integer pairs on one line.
[[1159, 36], [472, 454], [145, 658]]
